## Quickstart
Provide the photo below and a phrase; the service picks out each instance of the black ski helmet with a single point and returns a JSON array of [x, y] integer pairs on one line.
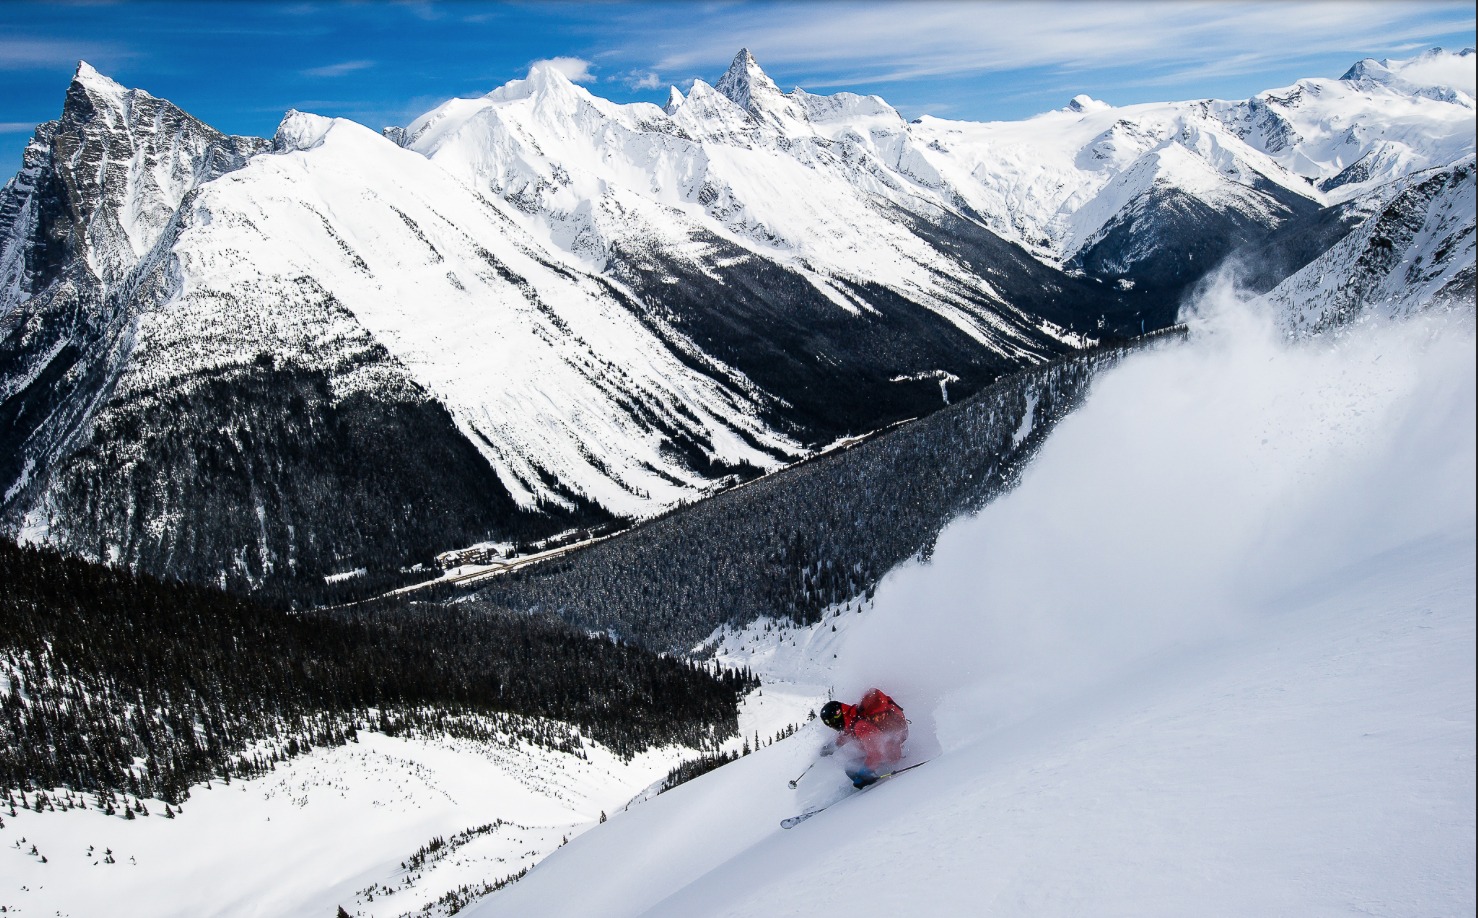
[[831, 714]]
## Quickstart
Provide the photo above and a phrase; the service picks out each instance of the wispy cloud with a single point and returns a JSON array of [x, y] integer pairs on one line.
[[17, 127], [575, 69], [29, 54], [870, 42], [338, 70], [421, 9]]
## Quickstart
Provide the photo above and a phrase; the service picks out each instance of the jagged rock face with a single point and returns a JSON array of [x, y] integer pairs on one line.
[[33, 224], [1415, 252], [268, 463], [95, 196], [752, 90], [743, 79], [105, 178]]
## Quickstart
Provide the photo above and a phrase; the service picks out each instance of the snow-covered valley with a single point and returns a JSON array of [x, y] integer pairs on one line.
[[347, 825]]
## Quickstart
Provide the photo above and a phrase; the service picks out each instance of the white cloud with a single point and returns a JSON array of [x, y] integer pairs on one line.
[[574, 69], [865, 42], [17, 127], [29, 54], [421, 9], [645, 80], [338, 70], [1447, 70]]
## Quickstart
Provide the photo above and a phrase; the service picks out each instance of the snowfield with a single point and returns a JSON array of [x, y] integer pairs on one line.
[[1214, 656], [537, 372], [328, 829]]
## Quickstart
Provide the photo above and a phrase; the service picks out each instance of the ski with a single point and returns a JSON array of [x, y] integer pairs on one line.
[[793, 821]]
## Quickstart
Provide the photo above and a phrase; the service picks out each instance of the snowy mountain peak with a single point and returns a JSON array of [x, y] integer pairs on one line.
[[300, 131], [744, 80], [674, 100], [1433, 54], [88, 77], [90, 91], [545, 81], [549, 85], [125, 160], [544, 71], [1450, 73], [1083, 102], [1364, 69]]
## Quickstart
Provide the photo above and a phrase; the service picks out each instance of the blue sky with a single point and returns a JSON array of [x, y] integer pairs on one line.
[[238, 66]]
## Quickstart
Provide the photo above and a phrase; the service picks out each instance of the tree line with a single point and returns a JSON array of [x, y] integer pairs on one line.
[[112, 681], [817, 534]]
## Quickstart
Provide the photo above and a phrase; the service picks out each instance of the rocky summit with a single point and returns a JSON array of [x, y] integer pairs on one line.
[[252, 361]]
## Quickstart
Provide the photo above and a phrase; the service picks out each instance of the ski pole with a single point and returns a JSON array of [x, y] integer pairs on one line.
[[801, 775]]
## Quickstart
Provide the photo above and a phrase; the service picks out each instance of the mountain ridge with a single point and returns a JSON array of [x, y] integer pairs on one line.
[[544, 308]]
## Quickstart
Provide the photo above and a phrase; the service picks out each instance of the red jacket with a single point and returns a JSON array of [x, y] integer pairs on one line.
[[878, 726]]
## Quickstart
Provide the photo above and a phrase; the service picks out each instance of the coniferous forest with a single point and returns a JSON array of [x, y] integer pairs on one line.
[[121, 682], [115, 682], [816, 534]]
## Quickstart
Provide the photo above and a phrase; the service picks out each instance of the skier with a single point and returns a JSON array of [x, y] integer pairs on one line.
[[875, 727]]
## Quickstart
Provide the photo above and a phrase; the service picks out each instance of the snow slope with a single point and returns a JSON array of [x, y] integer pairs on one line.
[[1212, 656], [1058, 180], [544, 368], [562, 306], [330, 828], [1416, 251], [740, 161]]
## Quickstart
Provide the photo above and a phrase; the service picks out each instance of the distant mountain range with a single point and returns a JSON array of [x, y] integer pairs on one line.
[[258, 362]]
